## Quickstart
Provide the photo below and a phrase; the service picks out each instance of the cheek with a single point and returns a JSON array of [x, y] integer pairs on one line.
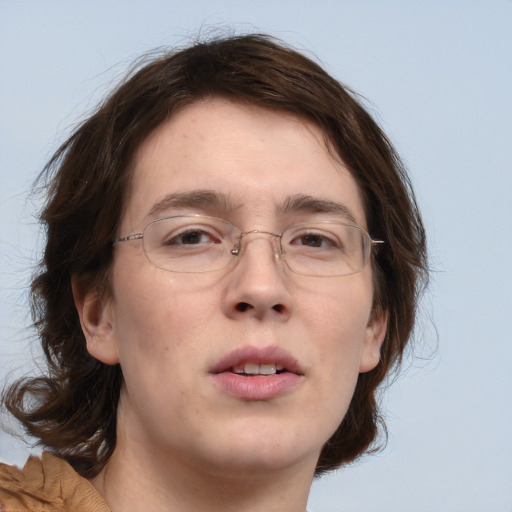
[[157, 315], [161, 331], [337, 327], [341, 311]]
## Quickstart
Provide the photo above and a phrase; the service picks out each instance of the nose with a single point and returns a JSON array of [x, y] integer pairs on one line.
[[258, 286]]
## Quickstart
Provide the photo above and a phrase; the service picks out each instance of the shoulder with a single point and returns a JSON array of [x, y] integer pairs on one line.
[[49, 484]]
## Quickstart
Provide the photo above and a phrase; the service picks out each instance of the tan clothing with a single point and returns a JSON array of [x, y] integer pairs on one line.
[[47, 485]]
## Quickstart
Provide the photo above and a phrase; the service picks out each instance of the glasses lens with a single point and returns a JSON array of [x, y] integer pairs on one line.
[[196, 244], [191, 243], [326, 248]]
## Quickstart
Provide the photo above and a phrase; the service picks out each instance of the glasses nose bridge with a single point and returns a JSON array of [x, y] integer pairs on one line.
[[258, 233]]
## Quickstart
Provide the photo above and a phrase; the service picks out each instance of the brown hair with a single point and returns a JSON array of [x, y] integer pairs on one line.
[[72, 410]]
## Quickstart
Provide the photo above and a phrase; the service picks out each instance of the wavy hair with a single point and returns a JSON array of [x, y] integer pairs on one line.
[[72, 409]]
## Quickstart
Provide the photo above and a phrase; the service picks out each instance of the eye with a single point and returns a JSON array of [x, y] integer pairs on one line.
[[311, 240], [191, 237], [316, 239]]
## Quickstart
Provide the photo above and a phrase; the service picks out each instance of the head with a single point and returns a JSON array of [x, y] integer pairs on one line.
[[93, 182]]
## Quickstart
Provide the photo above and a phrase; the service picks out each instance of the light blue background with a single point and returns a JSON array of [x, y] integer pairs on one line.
[[438, 77]]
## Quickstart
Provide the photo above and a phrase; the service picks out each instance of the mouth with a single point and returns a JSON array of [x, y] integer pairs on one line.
[[254, 361], [252, 373], [254, 369]]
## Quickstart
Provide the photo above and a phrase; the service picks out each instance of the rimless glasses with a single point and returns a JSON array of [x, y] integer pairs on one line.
[[198, 244]]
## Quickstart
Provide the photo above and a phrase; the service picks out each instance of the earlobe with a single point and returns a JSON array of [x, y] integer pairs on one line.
[[97, 321], [374, 336]]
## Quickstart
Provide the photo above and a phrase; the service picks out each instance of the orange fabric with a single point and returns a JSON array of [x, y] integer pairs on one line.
[[49, 484]]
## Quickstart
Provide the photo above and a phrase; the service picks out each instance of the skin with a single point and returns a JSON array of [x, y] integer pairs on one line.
[[184, 443]]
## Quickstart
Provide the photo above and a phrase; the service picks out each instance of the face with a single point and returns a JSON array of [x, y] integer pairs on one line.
[[182, 339]]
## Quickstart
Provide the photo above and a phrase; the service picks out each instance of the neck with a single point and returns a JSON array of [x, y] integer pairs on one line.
[[134, 481]]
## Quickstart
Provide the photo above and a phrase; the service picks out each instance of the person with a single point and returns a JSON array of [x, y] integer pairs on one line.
[[233, 263]]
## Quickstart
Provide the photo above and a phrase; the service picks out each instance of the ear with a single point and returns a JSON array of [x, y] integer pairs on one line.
[[97, 321], [374, 335]]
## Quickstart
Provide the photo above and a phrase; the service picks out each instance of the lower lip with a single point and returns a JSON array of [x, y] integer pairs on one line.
[[260, 387]]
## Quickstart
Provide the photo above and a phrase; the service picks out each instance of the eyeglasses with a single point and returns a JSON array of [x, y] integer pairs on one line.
[[197, 244]]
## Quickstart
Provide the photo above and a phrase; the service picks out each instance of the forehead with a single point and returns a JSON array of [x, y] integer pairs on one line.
[[253, 158]]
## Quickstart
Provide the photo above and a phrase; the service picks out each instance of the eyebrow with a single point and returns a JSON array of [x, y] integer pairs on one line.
[[213, 201], [203, 199], [311, 204]]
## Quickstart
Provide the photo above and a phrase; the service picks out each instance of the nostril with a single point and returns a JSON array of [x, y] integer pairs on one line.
[[242, 306], [278, 307]]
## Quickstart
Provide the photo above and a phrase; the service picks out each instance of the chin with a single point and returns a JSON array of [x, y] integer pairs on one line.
[[251, 463], [265, 450]]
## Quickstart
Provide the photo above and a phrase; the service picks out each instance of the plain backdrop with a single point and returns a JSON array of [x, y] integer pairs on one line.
[[438, 78]]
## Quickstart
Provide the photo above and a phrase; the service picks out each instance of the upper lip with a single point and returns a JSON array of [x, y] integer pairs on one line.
[[259, 355]]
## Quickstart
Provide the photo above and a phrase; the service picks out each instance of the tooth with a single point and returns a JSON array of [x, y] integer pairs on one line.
[[267, 369], [238, 370], [252, 368]]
